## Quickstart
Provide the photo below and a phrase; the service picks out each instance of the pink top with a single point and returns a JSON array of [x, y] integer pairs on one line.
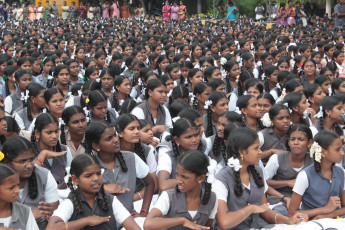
[[105, 8], [116, 10]]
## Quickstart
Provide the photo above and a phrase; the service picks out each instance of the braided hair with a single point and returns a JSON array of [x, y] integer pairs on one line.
[[14, 147], [199, 88], [34, 90], [179, 92], [293, 99], [8, 71], [119, 80], [228, 66], [215, 97], [89, 86], [66, 116], [196, 162], [241, 140], [96, 97], [329, 102], [93, 135], [269, 70], [244, 76], [243, 102], [78, 165]]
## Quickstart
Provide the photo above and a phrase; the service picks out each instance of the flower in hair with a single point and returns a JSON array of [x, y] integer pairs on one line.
[[121, 102], [305, 114], [234, 163], [2, 155], [170, 92], [283, 94], [208, 103], [266, 121], [175, 119], [49, 77], [245, 93], [211, 170], [316, 150], [87, 100], [320, 113], [287, 105], [69, 94], [278, 86], [4, 77], [98, 80], [79, 93], [24, 96]]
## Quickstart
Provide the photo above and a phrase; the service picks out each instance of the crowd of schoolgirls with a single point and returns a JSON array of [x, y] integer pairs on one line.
[[235, 126]]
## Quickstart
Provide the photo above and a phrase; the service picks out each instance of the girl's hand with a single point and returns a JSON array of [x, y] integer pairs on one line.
[[262, 208], [134, 214], [297, 218], [193, 225], [97, 220], [287, 201], [318, 217], [4, 228], [115, 188], [291, 183], [45, 209], [333, 203], [50, 154]]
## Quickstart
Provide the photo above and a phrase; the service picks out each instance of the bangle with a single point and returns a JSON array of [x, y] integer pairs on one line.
[[144, 210], [275, 219], [283, 198], [41, 162], [139, 195], [66, 226], [245, 217]]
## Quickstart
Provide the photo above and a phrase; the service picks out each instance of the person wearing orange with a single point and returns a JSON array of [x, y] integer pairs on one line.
[[125, 10], [32, 12], [182, 11], [291, 13]]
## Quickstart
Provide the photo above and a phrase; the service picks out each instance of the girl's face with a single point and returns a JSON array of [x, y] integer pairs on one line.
[[136, 70], [336, 112], [109, 142], [94, 75], [81, 54], [100, 61], [58, 61], [3, 123], [221, 88], [24, 164], [235, 71], [125, 87], [99, 111], [340, 58], [318, 96], [216, 74], [329, 74], [198, 77], [63, 77], [251, 155], [197, 51], [264, 106], [26, 66], [158, 50], [146, 134], [56, 103], [77, 124], [317, 58], [36, 68], [282, 120], [273, 79], [90, 180], [246, 46], [189, 140], [204, 95], [335, 152], [107, 82], [140, 56], [252, 109], [222, 122], [220, 107], [341, 87], [10, 51], [47, 66], [49, 135], [71, 45], [131, 133], [159, 94], [302, 106], [175, 73], [2, 66], [163, 64], [39, 99], [249, 64], [186, 51], [299, 143], [184, 72], [205, 65], [253, 91], [9, 189], [186, 180], [307, 53], [325, 86], [284, 66], [24, 81], [127, 51], [268, 61], [169, 84]]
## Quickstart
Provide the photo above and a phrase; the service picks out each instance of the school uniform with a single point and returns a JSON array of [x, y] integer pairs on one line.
[[40, 80], [247, 125], [21, 218], [136, 169], [118, 213], [70, 144], [252, 194], [309, 182], [270, 140], [214, 128], [46, 191], [136, 91], [13, 102], [112, 114], [211, 154], [21, 117], [149, 153], [173, 204]]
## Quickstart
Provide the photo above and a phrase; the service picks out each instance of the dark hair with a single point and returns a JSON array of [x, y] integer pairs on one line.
[[49, 93], [329, 102], [268, 97], [8, 71], [324, 139], [179, 91], [66, 116], [321, 79], [34, 90], [208, 72], [275, 109], [20, 73], [12, 125], [291, 85], [6, 171], [152, 85], [89, 71], [78, 165], [243, 101], [93, 134], [214, 97], [13, 147], [227, 67], [254, 82], [244, 76], [199, 88], [128, 105], [196, 162], [190, 114], [309, 90], [336, 84], [177, 106], [96, 97], [215, 83], [241, 140], [117, 82], [269, 70]]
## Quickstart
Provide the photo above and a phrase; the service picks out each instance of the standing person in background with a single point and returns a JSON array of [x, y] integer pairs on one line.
[[32, 12], [221, 9], [55, 10], [125, 10], [115, 11], [74, 11], [47, 10], [182, 11], [271, 10], [166, 10], [232, 11], [291, 14], [19, 15], [339, 11], [174, 9], [82, 10], [282, 15], [40, 11], [105, 10], [298, 17], [65, 10], [259, 11], [140, 11]]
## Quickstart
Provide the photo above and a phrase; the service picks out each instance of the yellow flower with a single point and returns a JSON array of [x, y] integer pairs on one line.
[[2, 156], [87, 100], [81, 87]]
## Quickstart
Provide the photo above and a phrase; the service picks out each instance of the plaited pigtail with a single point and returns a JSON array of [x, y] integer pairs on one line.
[[195, 103], [104, 201], [82, 102], [122, 162], [239, 88], [209, 129], [63, 135], [50, 83], [238, 186], [228, 85], [338, 130], [33, 190], [108, 117], [138, 149], [257, 178], [267, 88], [87, 147], [322, 123], [115, 103], [33, 141], [58, 147], [259, 122], [207, 193], [175, 148], [224, 154], [170, 100], [75, 198], [216, 145], [317, 166], [29, 111], [7, 88]]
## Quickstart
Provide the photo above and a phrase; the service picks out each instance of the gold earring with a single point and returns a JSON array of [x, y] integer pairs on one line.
[[241, 158], [98, 150]]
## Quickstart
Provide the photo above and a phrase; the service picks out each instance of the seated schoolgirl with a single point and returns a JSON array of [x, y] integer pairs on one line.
[[298, 104], [271, 81], [146, 135], [314, 94], [87, 88], [265, 103], [9, 87], [89, 206], [50, 153], [240, 188], [200, 95], [188, 206], [38, 188], [283, 167], [120, 168], [13, 215], [319, 189], [122, 86], [248, 105]]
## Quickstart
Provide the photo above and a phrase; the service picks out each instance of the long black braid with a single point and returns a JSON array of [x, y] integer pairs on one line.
[[6, 87], [228, 85], [77, 204], [138, 149], [115, 104], [219, 147], [209, 129], [62, 135]]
